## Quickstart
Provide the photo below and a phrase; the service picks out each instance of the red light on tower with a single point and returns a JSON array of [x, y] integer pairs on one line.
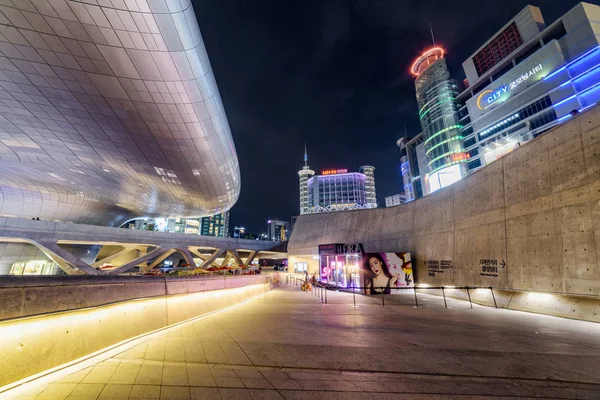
[[426, 59]]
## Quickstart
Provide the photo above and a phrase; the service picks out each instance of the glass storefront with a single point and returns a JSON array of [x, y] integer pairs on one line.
[[36, 267], [339, 265]]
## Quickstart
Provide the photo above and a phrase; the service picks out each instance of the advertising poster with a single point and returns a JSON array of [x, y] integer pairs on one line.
[[384, 271]]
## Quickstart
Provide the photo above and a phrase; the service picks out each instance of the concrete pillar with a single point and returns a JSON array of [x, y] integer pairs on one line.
[[212, 258], [237, 257], [68, 262], [149, 256]]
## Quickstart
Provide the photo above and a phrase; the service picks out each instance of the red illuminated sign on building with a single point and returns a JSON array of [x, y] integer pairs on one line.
[[334, 171]]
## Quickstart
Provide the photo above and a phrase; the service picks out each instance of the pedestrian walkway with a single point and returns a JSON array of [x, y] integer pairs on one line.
[[287, 345]]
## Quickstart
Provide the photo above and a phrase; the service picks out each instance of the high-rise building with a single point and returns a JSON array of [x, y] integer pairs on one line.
[[442, 140], [278, 230], [369, 173], [412, 161], [395, 200], [305, 174], [340, 190], [527, 78], [217, 225]]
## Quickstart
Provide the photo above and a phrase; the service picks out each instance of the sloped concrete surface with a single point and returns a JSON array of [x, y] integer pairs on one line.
[[286, 345]]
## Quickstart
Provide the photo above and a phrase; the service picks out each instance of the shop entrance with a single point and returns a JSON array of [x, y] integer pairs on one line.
[[339, 265]]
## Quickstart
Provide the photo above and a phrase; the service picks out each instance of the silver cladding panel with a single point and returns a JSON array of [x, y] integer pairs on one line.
[[109, 110]]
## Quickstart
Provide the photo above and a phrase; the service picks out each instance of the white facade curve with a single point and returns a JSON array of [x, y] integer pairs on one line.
[[109, 110]]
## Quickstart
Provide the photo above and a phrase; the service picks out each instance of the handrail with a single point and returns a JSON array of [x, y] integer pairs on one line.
[[321, 290]]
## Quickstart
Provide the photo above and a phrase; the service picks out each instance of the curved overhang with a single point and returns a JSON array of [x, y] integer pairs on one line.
[[110, 112]]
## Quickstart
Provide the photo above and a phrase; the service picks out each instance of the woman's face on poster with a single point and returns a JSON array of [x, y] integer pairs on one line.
[[375, 265]]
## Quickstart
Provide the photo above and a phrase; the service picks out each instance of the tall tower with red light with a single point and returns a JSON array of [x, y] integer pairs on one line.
[[438, 112]]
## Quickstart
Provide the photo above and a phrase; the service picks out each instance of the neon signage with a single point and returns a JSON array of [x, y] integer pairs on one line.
[[488, 98], [334, 171]]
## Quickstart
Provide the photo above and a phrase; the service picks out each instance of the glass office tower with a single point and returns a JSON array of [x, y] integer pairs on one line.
[[436, 93]]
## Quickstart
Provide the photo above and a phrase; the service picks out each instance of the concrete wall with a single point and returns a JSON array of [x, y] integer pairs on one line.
[[537, 210], [113, 312]]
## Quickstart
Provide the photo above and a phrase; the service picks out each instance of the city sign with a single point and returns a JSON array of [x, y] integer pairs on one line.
[[334, 171], [489, 97]]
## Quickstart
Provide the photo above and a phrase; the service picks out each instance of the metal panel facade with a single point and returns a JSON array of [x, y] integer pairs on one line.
[[109, 110]]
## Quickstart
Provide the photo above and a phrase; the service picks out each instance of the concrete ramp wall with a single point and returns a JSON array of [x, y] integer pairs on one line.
[[58, 321], [527, 222]]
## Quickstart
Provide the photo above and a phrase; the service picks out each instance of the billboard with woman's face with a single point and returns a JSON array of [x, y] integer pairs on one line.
[[384, 271]]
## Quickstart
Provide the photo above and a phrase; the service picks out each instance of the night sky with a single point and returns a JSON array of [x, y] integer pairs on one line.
[[333, 74]]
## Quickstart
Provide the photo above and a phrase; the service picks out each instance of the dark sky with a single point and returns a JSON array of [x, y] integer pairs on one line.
[[333, 74]]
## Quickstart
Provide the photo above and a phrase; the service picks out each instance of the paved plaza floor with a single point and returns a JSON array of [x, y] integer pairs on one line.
[[288, 345]]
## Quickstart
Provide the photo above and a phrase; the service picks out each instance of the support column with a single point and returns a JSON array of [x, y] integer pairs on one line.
[[188, 257], [160, 259], [149, 256], [237, 257], [126, 249], [253, 254], [212, 258], [66, 261], [226, 260], [203, 257]]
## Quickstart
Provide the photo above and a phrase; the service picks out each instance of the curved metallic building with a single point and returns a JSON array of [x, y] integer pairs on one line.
[[109, 111]]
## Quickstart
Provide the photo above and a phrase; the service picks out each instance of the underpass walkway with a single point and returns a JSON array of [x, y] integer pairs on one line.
[[288, 345]]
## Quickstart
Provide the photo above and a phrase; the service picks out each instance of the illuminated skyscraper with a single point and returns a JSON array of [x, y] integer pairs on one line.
[[436, 93], [305, 174], [369, 173]]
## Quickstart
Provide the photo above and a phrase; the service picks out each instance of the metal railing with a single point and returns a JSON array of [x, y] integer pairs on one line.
[[320, 291]]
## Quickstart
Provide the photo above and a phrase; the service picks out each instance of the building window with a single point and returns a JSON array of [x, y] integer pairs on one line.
[[470, 142], [500, 47], [522, 114], [542, 120], [474, 164]]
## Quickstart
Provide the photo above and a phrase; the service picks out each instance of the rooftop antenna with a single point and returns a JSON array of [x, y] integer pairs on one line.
[[405, 131], [305, 156], [432, 35]]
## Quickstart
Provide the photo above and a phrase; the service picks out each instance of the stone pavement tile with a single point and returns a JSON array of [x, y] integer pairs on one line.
[[234, 394], [125, 374], [145, 392], [200, 393], [115, 391], [76, 377], [99, 374], [194, 353], [257, 383], [175, 376], [316, 377], [135, 352], [223, 373], [229, 382], [372, 386], [92, 390], [248, 373], [340, 386], [57, 391], [258, 394], [285, 384], [275, 374], [200, 377], [175, 392], [175, 354], [149, 375]]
